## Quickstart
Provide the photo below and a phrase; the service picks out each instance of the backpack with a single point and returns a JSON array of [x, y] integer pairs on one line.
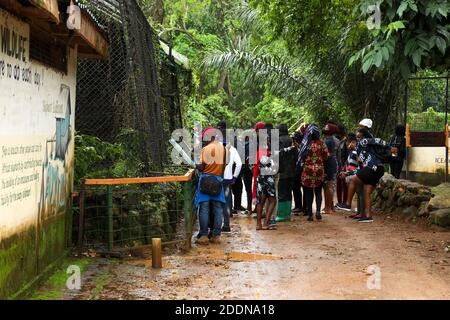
[[383, 153]]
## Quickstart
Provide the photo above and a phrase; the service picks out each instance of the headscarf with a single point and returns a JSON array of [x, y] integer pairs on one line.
[[312, 133]]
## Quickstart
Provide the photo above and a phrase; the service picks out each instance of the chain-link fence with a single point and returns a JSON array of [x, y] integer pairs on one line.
[[123, 92], [127, 106], [113, 215], [176, 88], [427, 104]]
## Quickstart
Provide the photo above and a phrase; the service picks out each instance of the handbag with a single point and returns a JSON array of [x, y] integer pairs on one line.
[[210, 185]]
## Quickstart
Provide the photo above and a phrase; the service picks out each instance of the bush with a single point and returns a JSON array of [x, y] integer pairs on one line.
[[97, 159], [429, 120]]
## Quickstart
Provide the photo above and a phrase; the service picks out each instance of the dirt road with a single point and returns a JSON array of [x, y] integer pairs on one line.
[[300, 260]]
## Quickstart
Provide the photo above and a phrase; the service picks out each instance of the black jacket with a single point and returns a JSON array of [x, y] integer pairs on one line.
[[287, 160]]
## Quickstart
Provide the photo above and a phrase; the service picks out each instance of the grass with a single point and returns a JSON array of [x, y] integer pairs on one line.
[[53, 288], [101, 281]]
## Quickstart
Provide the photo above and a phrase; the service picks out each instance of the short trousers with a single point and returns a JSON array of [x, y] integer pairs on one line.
[[265, 186], [370, 176]]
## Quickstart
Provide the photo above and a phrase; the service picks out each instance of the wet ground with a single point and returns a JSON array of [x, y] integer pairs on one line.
[[336, 258]]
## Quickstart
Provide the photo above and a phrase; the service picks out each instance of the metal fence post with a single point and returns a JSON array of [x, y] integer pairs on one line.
[[446, 130], [110, 217], [407, 130], [187, 208]]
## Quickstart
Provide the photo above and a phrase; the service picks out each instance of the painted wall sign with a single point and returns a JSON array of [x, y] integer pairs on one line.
[[36, 131], [427, 159]]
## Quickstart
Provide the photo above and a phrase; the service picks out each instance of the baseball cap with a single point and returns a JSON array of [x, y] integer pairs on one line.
[[366, 123], [260, 125], [208, 132]]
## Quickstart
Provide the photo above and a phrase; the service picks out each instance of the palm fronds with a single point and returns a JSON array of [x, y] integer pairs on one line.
[[282, 76]]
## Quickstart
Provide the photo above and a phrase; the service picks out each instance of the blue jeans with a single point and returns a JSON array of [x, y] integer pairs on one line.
[[227, 206], [217, 208]]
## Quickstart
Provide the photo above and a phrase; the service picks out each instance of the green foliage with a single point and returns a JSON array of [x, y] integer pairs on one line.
[[276, 110], [424, 94], [295, 54], [209, 111], [429, 120], [95, 158], [325, 35], [412, 34]]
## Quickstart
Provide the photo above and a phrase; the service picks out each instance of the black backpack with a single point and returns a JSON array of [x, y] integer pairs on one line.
[[383, 153]]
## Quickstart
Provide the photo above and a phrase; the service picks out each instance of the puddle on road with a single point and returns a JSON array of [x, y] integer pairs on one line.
[[208, 255], [245, 256], [220, 254]]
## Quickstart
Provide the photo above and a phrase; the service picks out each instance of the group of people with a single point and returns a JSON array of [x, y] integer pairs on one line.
[[307, 165]]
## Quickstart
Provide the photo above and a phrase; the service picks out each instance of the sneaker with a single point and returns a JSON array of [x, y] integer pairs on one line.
[[358, 216], [226, 229], [296, 210], [273, 222], [366, 220], [318, 216], [215, 239], [344, 207], [310, 218], [203, 240]]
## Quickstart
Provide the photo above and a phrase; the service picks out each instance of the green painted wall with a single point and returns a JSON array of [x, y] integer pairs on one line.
[[25, 256]]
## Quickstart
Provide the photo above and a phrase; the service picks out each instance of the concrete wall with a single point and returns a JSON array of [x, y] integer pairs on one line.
[[37, 107], [427, 164]]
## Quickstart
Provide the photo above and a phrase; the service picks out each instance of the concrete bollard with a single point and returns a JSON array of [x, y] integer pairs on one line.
[[156, 253]]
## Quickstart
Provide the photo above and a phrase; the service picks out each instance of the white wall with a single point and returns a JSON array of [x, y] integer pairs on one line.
[[36, 133], [426, 159]]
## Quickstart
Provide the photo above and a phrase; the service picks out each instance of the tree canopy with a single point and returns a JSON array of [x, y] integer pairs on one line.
[[285, 60]]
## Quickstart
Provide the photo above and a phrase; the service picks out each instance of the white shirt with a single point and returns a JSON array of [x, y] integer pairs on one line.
[[233, 158]]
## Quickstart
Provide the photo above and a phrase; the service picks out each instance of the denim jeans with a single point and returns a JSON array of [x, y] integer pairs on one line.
[[227, 206], [217, 208]]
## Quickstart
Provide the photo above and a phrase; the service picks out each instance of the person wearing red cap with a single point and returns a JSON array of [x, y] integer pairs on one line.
[[259, 125], [212, 166]]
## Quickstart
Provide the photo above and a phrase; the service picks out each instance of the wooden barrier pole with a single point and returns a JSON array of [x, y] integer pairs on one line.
[[156, 253]]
